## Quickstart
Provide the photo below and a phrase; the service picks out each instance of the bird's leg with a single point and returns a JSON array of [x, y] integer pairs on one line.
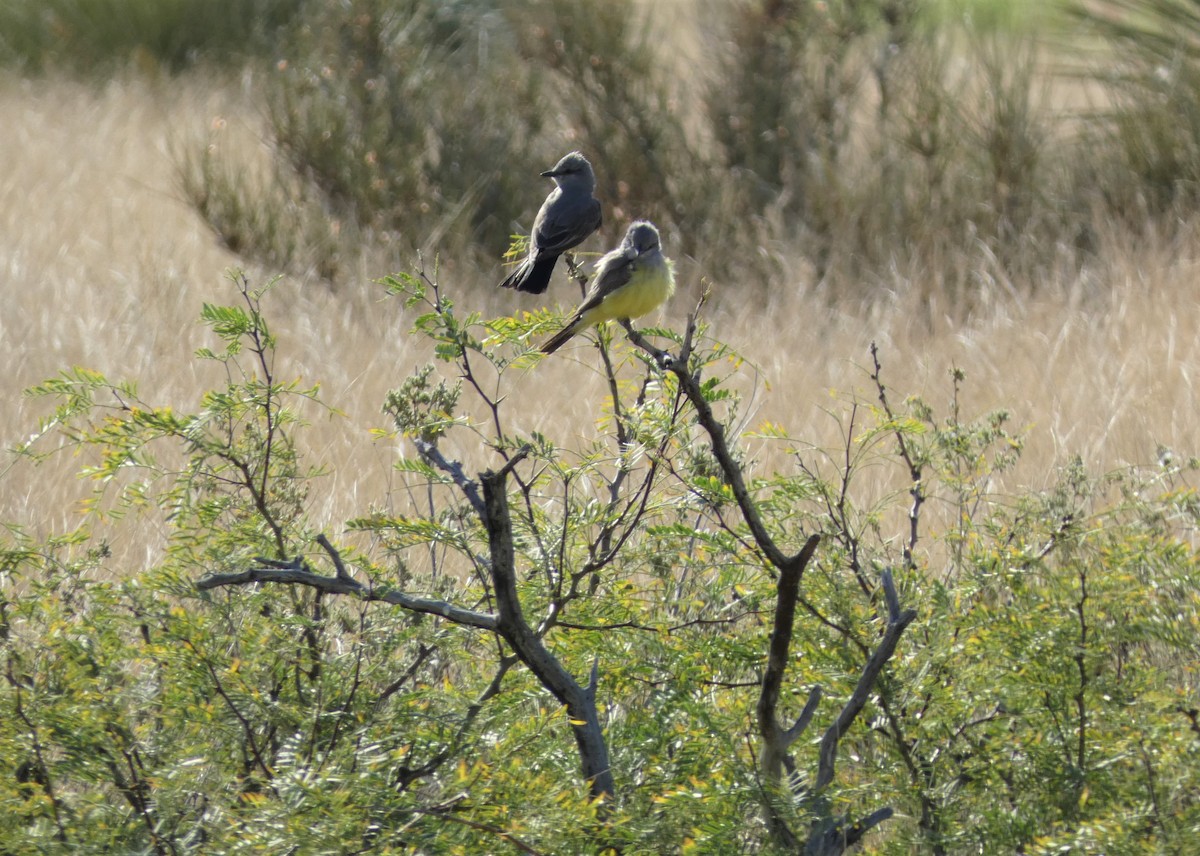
[[575, 271]]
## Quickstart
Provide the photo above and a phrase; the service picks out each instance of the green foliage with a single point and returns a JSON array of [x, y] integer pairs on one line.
[[852, 119], [603, 71], [1150, 136], [1044, 700], [843, 130], [394, 112], [275, 219], [837, 143], [97, 35], [421, 409]]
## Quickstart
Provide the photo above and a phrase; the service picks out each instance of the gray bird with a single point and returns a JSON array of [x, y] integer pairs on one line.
[[569, 214]]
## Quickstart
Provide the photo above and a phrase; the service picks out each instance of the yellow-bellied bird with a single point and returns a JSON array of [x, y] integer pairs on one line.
[[629, 282], [569, 214]]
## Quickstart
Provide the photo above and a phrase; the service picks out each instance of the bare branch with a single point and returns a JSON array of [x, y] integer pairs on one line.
[[802, 721], [296, 572], [334, 556], [720, 445], [512, 462], [862, 691], [917, 488], [889, 594], [774, 738], [454, 469], [528, 646], [661, 357], [832, 836]]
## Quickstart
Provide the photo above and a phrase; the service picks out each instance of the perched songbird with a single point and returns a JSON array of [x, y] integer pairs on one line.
[[569, 214], [629, 282]]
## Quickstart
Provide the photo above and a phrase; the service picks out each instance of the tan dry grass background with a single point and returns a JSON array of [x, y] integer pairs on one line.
[[103, 265]]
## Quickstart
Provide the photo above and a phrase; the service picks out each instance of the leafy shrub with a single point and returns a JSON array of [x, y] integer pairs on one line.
[[1149, 136], [838, 130], [892, 138], [90, 35], [601, 70], [268, 215], [835, 143], [396, 115], [259, 687]]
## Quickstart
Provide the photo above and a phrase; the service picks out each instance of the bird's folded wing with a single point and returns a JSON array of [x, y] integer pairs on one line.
[[612, 276], [560, 232]]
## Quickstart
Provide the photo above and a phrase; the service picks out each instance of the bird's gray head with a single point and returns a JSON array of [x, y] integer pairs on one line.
[[574, 168], [642, 237]]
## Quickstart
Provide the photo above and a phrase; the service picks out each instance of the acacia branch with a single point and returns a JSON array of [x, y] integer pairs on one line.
[[297, 572], [776, 739], [802, 721], [917, 488], [405, 775], [511, 624], [730, 469], [829, 835], [508, 622], [37, 773], [447, 813], [897, 622], [434, 457]]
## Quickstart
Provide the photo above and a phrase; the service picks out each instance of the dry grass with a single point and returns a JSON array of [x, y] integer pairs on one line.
[[105, 266]]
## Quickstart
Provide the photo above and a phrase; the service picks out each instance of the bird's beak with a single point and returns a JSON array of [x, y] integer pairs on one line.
[[550, 173]]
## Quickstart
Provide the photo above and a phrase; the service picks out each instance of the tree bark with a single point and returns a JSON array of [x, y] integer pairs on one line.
[[580, 701]]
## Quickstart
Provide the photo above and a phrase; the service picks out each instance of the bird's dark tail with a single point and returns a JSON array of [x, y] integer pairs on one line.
[[531, 278], [561, 337]]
